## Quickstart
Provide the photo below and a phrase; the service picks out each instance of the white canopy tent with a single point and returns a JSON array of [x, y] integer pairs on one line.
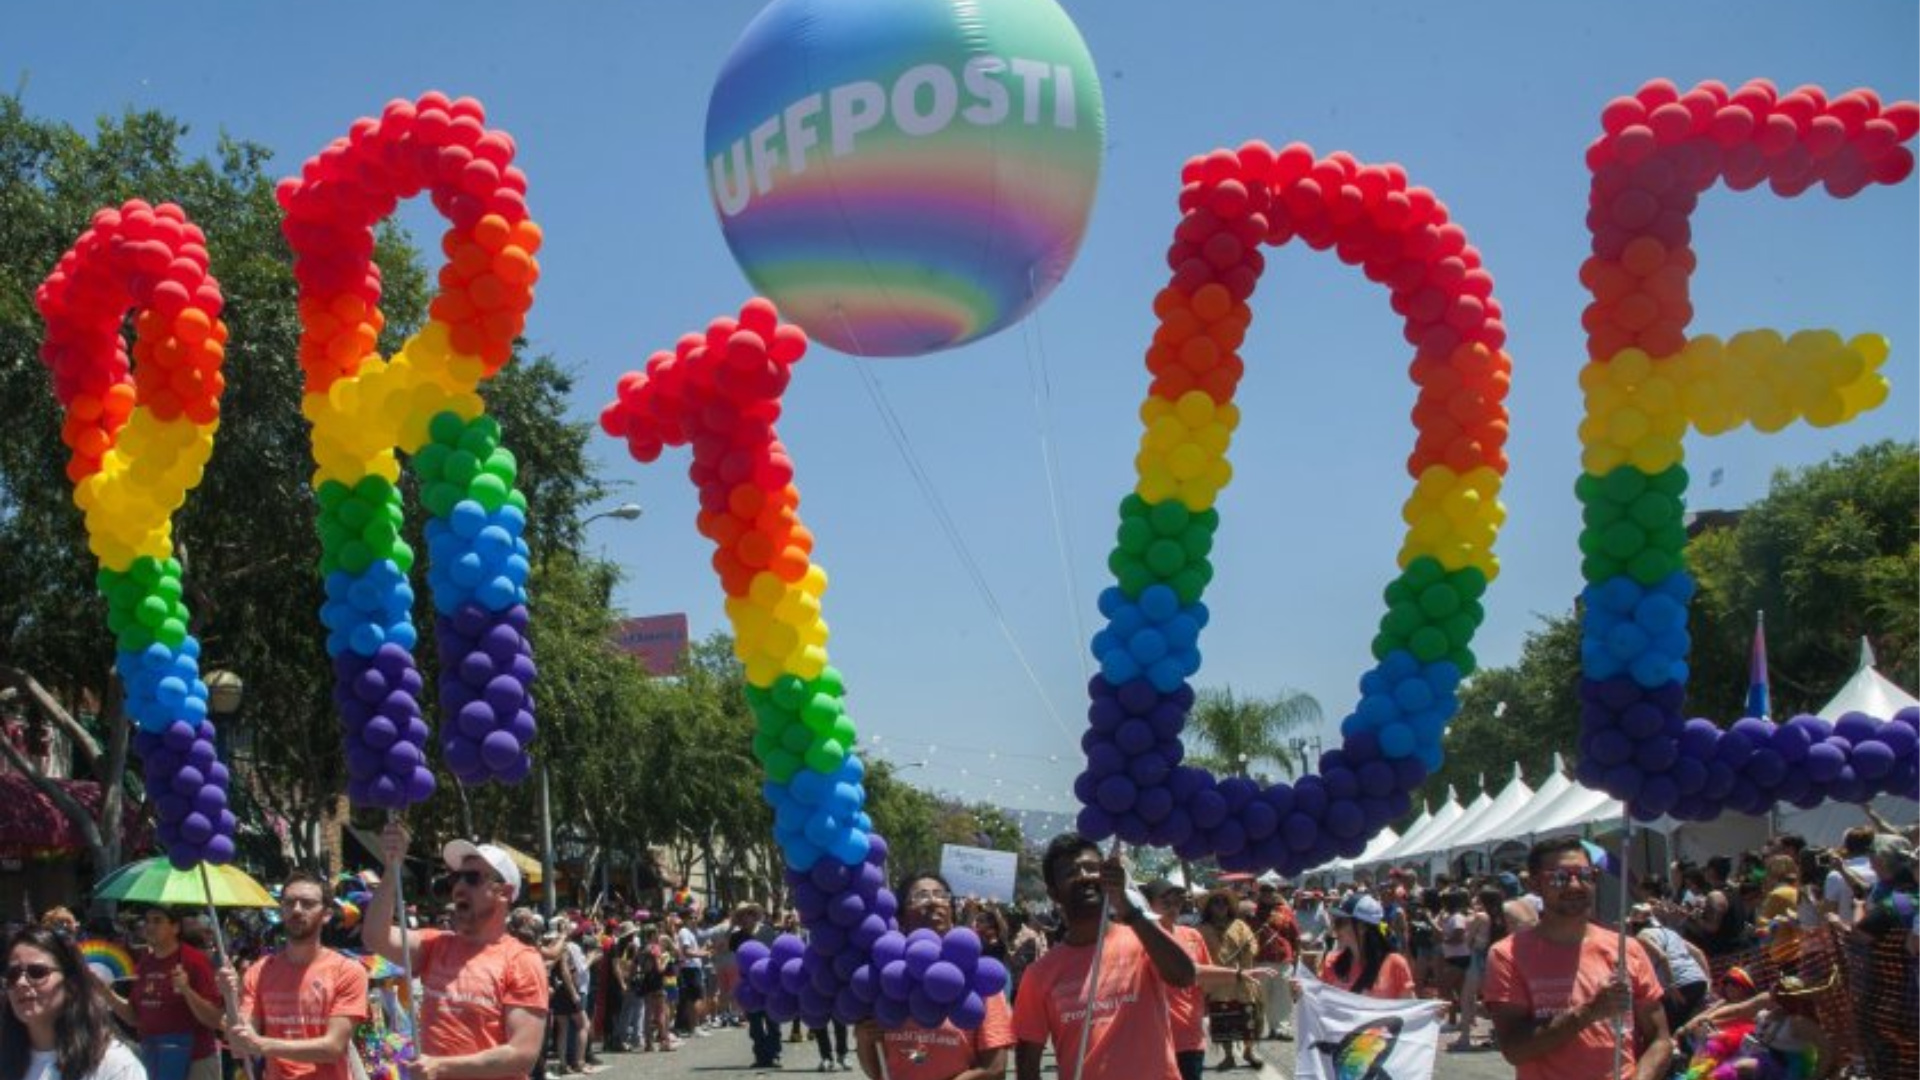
[[1412, 840], [1384, 840], [1491, 824], [1435, 842]]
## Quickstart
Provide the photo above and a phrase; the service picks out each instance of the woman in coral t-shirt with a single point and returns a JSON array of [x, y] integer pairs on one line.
[[1363, 962], [946, 1052]]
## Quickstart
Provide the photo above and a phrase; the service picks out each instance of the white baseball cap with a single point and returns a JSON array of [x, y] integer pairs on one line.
[[457, 852]]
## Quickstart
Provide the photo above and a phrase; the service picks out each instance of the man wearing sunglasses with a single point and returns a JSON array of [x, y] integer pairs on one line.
[[1554, 989], [299, 1006], [484, 1003]]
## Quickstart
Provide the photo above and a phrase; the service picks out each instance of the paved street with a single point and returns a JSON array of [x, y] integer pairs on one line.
[[725, 1053]]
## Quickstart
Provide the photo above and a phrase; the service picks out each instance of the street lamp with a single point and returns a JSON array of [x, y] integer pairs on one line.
[[625, 512]]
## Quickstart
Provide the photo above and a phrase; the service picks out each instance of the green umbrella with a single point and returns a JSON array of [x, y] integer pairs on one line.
[[156, 881]]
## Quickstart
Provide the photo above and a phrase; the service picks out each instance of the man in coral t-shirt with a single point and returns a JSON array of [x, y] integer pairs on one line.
[[484, 1008], [1553, 989], [1130, 1037], [298, 1007], [1186, 1006]]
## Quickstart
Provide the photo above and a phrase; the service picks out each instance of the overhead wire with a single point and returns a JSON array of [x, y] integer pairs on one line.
[[903, 444]]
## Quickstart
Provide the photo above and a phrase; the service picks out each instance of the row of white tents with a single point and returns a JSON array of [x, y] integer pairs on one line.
[[1497, 829]]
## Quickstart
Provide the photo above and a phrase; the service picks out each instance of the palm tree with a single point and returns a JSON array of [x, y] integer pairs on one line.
[[1234, 735]]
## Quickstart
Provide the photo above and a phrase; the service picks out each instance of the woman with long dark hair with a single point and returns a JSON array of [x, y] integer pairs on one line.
[[913, 1052], [56, 1027], [1365, 962]]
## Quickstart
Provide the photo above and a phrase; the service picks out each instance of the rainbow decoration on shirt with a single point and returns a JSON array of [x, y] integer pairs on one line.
[[1363, 1052], [141, 431], [109, 959]]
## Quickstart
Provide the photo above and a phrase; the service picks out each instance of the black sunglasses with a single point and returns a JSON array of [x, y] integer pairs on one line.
[[472, 879], [33, 973]]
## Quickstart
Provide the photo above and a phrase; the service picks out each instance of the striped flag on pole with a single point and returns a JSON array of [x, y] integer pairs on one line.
[[1758, 703]]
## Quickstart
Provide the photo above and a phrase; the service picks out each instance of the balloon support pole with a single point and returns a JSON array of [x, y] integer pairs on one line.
[[227, 998], [1093, 978], [406, 949], [1620, 969]]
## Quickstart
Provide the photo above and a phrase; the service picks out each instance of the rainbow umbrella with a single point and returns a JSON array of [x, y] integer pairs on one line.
[[155, 881]]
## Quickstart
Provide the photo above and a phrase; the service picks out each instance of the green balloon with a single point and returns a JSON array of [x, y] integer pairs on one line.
[[172, 633], [1652, 565], [1624, 484], [1398, 591], [825, 756], [1459, 628], [1190, 582], [517, 499], [440, 498], [402, 556], [1623, 539], [503, 464], [830, 681], [820, 713], [1198, 542], [843, 731], [1464, 659], [381, 536], [152, 612], [488, 491], [1424, 571], [1671, 481], [430, 461], [355, 556], [1429, 643], [462, 467], [1133, 577], [1402, 619], [781, 765], [446, 428], [1170, 518], [1471, 581], [1166, 557], [355, 514], [1439, 601], [1134, 535], [330, 493], [796, 738], [788, 691], [1588, 487], [1384, 646]]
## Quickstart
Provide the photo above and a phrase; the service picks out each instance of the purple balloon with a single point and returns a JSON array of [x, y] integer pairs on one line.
[[960, 947], [989, 977], [944, 983]]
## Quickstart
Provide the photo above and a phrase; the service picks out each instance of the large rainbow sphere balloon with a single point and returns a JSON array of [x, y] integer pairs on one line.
[[902, 176]]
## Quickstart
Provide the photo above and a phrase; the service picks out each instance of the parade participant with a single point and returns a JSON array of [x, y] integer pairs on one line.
[[1278, 932], [1230, 1007], [485, 993], [1186, 1006], [1364, 960], [913, 1052], [1128, 1036], [1551, 989], [299, 1006], [174, 1005], [55, 1027]]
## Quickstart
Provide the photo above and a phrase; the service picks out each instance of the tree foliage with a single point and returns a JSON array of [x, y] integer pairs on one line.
[[1236, 735], [1831, 554]]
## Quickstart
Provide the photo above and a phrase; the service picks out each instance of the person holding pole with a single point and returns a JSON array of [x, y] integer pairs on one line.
[[1100, 995], [298, 1007], [485, 992], [1553, 990]]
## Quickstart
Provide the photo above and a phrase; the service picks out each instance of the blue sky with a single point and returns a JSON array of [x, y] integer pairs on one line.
[[1490, 104]]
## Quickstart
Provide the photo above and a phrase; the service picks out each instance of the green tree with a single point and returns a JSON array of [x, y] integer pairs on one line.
[[1237, 735], [1831, 554]]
